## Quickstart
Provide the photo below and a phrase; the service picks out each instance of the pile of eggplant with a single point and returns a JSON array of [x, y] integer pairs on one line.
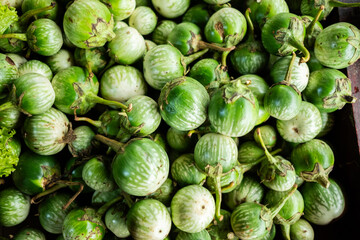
[[170, 119]]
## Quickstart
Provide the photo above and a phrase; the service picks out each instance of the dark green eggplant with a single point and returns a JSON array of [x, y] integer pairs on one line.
[[115, 220], [35, 172], [198, 14], [328, 122], [337, 45], [261, 11], [179, 140], [313, 161], [164, 193], [183, 103], [99, 198], [52, 212], [313, 63], [322, 205], [14, 207], [329, 90], [249, 152], [290, 34], [249, 57], [73, 172]]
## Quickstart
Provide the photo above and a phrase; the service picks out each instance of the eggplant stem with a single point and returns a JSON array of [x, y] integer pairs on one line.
[[47, 192], [248, 166], [204, 45], [19, 36], [189, 59], [267, 153], [89, 120], [289, 70], [250, 28], [115, 145], [108, 65], [23, 20], [72, 199], [101, 211], [128, 199], [223, 60], [311, 27], [278, 206], [285, 230], [215, 173], [96, 99], [334, 3], [300, 46]]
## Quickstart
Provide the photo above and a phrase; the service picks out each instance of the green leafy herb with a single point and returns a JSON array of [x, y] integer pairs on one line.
[[9, 158]]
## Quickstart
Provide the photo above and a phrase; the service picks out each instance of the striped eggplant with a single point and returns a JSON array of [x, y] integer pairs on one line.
[[97, 175], [28, 87], [46, 133], [17, 59], [192, 208], [120, 83], [290, 34], [233, 109], [171, 8], [184, 172], [303, 127], [121, 9], [276, 173], [183, 103], [127, 47], [115, 220], [203, 235], [30, 234], [299, 72], [164, 63], [249, 152], [83, 223], [36, 66], [226, 26], [35, 172], [94, 59], [301, 230], [148, 219], [164, 193], [88, 24], [8, 72], [60, 60], [254, 221], [289, 213], [249, 190], [313, 161], [81, 144], [14, 207], [143, 19], [322, 205], [140, 167], [337, 45], [10, 114], [161, 32], [52, 214], [73, 172], [142, 120], [329, 90]]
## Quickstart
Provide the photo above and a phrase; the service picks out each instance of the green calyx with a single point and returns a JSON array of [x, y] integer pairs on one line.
[[341, 95], [234, 90], [319, 174], [100, 28], [285, 36], [355, 42]]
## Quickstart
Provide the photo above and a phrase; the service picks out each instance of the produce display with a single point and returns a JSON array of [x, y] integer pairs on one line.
[[171, 119]]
